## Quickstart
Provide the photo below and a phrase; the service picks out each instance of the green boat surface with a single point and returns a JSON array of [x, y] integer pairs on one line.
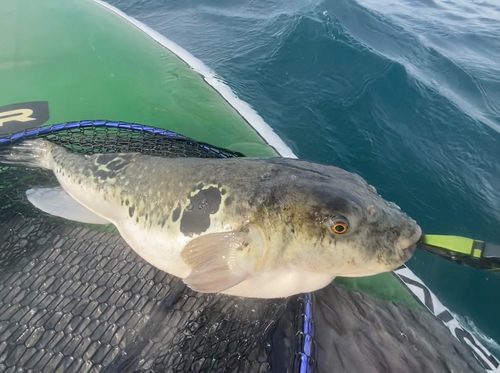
[[116, 72]]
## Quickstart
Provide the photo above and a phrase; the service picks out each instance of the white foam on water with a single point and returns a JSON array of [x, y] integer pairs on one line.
[[472, 328]]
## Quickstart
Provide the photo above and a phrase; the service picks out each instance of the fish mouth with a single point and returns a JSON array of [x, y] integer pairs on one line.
[[407, 246], [406, 253]]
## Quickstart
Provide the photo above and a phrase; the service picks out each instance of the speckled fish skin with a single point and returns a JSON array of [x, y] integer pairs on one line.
[[160, 204]]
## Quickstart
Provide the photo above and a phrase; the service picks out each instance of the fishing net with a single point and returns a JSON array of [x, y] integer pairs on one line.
[[76, 298]]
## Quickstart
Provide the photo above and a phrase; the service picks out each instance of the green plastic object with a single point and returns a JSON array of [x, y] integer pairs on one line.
[[457, 244], [462, 250]]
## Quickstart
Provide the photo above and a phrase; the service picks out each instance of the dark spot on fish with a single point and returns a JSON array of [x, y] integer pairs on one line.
[[146, 217], [116, 165], [122, 202], [131, 210], [79, 181], [127, 202], [176, 213], [137, 219], [196, 221], [112, 163], [228, 201], [223, 191], [101, 159], [112, 160], [102, 174]]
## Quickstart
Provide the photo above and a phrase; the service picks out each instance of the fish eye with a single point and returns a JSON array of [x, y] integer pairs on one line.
[[339, 225]]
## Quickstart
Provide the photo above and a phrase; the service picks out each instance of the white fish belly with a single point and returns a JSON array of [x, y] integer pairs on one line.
[[159, 248], [280, 284]]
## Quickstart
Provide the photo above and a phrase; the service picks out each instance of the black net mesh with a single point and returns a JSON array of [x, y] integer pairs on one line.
[[76, 298]]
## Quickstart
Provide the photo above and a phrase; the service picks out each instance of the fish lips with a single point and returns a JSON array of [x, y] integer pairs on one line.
[[406, 253]]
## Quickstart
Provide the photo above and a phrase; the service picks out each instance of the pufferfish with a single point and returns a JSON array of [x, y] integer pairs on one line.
[[250, 227]]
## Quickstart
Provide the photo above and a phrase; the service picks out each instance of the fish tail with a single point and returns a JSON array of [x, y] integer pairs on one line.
[[28, 153]]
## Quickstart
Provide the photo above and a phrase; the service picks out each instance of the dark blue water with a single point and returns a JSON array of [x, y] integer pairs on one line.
[[404, 92]]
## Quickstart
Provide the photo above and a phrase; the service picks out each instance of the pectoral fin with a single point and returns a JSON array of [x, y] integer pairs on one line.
[[220, 261], [56, 201]]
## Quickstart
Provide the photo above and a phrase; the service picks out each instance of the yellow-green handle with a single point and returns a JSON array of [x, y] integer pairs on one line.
[[462, 245], [462, 250]]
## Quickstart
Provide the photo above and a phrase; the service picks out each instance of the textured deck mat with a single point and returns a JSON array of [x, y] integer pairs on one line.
[[358, 333], [76, 300]]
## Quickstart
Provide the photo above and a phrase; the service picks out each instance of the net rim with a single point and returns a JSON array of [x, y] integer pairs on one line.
[[10, 139]]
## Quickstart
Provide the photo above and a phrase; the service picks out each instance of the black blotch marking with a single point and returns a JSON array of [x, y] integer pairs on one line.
[[131, 210], [122, 202], [223, 191], [101, 174], [79, 181], [176, 214], [229, 200], [164, 221], [146, 217], [137, 219], [116, 165], [113, 164], [127, 202], [112, 160], [197, 220]]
